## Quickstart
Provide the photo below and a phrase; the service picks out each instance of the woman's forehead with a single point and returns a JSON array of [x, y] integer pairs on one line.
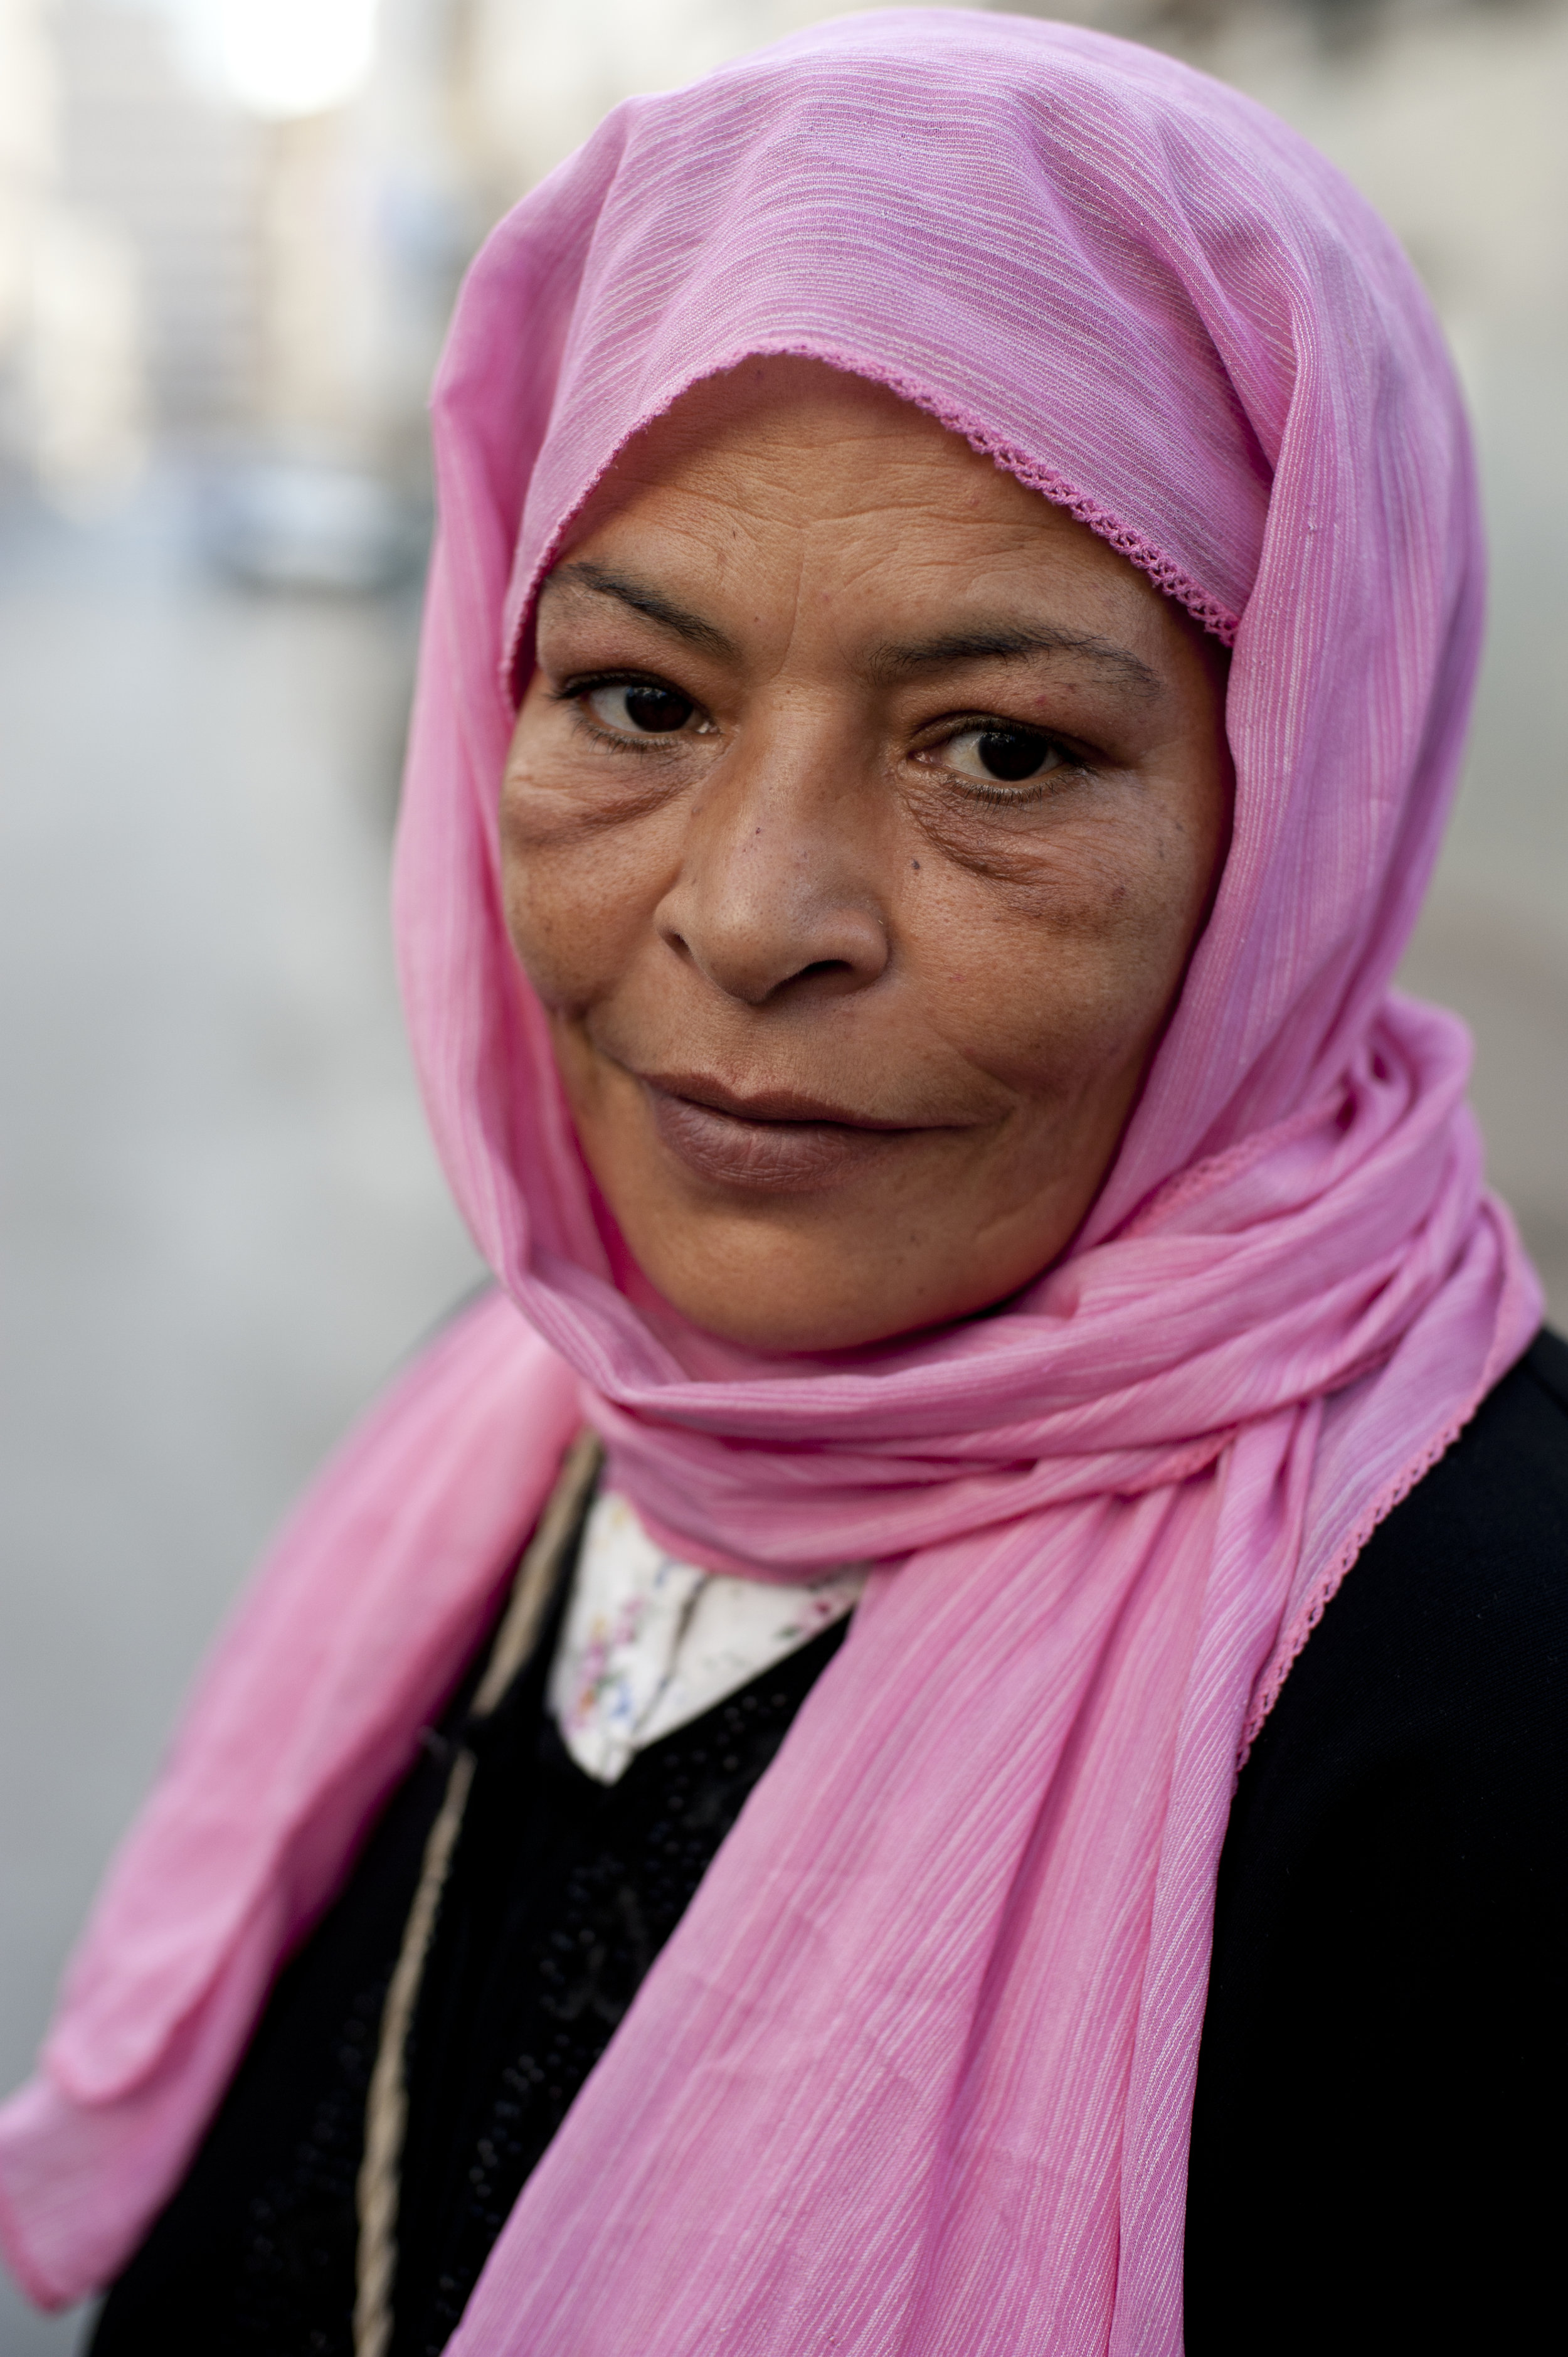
[[784, 435], [787, 476]]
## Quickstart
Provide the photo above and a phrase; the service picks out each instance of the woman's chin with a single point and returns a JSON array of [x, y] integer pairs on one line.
[[812, 1308]]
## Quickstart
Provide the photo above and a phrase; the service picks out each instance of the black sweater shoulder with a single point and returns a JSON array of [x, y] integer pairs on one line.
[[1373, 2136]]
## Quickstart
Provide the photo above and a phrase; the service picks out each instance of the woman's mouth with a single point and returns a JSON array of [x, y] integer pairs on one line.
[[775, 1142]]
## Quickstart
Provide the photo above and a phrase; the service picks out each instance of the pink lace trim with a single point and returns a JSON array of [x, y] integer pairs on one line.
[[1166, 575], [1326, 1586], [1289, 1651]]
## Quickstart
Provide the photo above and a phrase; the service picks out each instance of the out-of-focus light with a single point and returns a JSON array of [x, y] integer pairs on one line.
[[283, 57]]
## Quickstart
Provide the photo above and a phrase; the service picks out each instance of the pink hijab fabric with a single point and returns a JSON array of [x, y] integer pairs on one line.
[[915, 2072]]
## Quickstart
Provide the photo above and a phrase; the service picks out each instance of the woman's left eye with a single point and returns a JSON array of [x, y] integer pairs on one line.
[[1001, 756], [632, 707]]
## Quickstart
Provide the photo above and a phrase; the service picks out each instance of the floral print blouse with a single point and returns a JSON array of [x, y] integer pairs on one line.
[[648, 1642]]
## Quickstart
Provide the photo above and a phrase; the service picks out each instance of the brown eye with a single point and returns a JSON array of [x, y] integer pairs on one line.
[[1003, 756], [1010, 754], [639, 707]]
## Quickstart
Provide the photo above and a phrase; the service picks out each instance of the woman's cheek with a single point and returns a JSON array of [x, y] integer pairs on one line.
[[550, 923], [1046, 980], [577, 904]]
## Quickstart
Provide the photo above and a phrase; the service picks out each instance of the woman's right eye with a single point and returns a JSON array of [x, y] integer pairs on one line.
[[634, 707]]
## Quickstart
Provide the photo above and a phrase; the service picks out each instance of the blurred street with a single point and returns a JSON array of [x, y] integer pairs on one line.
[[223, 1223]]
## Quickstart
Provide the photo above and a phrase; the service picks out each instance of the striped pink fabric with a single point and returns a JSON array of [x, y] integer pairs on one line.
[[915, 2072]]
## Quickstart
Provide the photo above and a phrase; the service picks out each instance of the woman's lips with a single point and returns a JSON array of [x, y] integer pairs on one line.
[[768, 1146]]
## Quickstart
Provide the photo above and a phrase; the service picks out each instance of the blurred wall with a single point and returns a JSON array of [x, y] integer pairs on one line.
[[1451, 122], [230, 233]]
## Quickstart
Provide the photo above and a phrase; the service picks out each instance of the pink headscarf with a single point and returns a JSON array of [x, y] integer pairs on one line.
[[915, 2072]]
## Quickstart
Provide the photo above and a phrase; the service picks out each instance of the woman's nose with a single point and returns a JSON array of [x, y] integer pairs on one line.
[[777, 888]]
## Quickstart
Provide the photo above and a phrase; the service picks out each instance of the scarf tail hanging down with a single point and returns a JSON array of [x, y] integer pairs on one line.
[[915, 2072]]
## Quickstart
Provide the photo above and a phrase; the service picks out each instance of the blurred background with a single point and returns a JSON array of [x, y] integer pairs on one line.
[[230, 235]]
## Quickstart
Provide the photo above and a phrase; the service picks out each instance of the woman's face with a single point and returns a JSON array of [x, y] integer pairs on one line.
[[860, 819]]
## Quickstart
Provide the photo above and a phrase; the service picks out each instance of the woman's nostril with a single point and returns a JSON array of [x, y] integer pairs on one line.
[[761, 950]]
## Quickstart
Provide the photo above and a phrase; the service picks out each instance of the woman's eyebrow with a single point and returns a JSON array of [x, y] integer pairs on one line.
[[1010, 641], [1002, 642], [646, 601]]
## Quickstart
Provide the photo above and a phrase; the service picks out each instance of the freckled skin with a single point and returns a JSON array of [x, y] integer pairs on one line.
[[813, 885]]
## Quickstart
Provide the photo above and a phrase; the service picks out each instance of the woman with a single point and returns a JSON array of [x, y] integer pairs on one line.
[[906, 1015]]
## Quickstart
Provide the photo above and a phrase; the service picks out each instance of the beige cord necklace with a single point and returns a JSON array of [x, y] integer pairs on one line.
[[386, 2108]]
